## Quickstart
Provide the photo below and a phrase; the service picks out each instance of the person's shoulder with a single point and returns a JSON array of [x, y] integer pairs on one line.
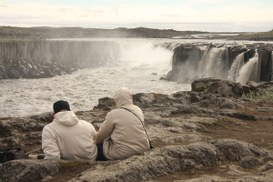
[[48, 129], [48, 126], [113, 111], [85, 123], [133, 108]]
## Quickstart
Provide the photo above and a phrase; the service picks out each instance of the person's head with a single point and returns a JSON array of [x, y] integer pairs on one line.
[[60, 106], [123, 96]]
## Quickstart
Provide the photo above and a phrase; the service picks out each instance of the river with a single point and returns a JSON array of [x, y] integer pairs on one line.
[[139, 68]]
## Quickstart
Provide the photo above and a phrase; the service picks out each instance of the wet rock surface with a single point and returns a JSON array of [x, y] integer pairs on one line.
[[198, 135]]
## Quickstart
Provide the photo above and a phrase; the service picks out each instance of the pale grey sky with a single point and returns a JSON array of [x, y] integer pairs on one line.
[[204, 15]]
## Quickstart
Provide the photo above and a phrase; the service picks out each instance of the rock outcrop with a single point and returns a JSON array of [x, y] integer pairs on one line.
[[265, 60], [209, 133], [218, 87]]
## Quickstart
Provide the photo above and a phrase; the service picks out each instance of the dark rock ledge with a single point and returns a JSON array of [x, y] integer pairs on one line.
[[208, 134]]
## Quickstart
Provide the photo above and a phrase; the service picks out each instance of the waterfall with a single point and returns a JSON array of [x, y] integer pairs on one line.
[[249, 71], [211, 64], [235, 67], [222, 62]]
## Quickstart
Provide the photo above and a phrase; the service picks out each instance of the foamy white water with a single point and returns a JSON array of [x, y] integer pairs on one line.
[[140, 68], [212, 64], [235, 67], [249, 71]]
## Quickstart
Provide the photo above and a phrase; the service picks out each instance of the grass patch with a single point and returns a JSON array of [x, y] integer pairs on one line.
[[260, 95]]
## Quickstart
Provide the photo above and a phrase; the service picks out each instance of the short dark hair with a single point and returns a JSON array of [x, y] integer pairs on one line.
[[61, 105]]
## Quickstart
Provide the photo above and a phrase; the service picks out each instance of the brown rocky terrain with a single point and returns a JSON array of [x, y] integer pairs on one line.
[[211, 133]]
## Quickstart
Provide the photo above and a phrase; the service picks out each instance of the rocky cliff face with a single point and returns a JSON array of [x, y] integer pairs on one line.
[[240, 63], [37, 59], [208, 134], [265, 61]]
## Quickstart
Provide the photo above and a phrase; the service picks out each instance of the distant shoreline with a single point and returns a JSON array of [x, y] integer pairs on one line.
[[8, 32]]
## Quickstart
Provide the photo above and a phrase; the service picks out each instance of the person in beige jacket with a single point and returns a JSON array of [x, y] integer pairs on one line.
[[122, 134], [67, 137]]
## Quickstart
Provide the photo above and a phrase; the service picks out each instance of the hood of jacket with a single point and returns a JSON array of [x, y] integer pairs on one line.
[[66, 118], [123, 97]]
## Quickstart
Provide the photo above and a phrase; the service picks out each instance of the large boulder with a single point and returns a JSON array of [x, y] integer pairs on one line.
[[41, 170], [22, 132], [158, 162], [167, 160], [223, 88], [27, 170]]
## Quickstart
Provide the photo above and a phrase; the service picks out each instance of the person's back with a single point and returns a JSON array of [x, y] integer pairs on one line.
[[67, 137], [122, 132], [129, 137]]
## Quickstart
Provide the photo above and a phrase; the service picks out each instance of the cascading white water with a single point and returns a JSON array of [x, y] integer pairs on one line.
[[139, 68], [249, 71], [211, 64], [235, 67]]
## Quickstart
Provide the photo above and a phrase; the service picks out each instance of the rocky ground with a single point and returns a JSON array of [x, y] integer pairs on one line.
[[210, 133]]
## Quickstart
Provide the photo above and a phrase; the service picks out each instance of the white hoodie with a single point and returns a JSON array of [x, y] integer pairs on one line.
[[67, 137], [122, 133]]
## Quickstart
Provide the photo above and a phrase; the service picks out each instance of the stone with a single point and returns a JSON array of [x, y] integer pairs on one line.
[[27, 170], [218, 87], [237, 150], [249, 162]]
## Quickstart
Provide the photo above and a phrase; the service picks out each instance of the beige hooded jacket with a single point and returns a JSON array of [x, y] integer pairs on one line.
[[122, 133], [67, 137]]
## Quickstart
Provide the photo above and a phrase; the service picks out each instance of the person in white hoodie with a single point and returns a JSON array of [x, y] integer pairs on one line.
[[122, 134], [67, 137]]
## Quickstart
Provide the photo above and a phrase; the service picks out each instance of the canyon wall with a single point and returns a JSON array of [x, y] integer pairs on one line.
[[41, 58]]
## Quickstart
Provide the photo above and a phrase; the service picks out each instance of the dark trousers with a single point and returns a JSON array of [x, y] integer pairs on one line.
[[100, 156]]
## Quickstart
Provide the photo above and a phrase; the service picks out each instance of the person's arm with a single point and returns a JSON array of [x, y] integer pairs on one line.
[[93, 131], [49, 145], [105, 130]]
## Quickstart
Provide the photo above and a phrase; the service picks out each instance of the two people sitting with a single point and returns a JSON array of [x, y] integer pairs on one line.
[[121, 135]]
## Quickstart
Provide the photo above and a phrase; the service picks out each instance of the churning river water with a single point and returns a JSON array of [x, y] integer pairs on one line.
[[139, 68]]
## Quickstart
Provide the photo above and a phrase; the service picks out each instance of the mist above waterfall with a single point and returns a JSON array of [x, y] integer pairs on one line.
[[146, 55]]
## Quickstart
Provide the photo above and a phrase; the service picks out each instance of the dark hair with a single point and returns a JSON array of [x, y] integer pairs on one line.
[[61, 105]]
